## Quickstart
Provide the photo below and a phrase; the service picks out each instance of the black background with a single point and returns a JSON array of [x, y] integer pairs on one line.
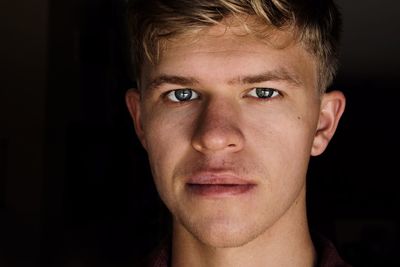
[[75, 189]]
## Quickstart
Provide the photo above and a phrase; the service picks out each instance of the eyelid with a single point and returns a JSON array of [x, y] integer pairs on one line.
[[276, 92], [195, 95]]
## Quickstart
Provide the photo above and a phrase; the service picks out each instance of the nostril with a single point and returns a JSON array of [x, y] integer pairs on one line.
[[232, 145]]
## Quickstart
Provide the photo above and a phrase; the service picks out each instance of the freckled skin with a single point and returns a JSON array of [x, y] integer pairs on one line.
[[266, 141]]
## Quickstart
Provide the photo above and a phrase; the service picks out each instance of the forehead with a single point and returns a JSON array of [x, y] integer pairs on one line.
[[231, 52]]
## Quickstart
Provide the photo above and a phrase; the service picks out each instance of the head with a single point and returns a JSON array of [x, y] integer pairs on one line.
[[231, 104]]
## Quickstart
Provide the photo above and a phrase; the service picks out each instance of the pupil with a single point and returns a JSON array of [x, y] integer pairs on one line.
[[263, 93], [184, 94]]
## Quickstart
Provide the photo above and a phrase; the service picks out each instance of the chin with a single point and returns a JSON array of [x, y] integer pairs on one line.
[[224, 234]]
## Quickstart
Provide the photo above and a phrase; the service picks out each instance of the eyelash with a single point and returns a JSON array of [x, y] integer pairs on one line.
[[273, 93], [173, 93]]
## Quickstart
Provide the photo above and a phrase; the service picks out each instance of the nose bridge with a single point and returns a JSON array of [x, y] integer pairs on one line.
[[218, 127], [216, 113]]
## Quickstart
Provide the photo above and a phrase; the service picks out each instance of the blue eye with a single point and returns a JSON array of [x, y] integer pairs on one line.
[[263, 92], [181, 95]]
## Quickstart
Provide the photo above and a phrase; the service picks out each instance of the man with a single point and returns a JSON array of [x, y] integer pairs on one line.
[[230, 105]]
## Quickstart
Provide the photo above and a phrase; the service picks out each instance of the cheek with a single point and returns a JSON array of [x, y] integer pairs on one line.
[[167, 136], [282, 139]]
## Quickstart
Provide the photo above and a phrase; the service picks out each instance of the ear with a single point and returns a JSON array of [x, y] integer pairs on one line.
[[332, 108], [133, 101]]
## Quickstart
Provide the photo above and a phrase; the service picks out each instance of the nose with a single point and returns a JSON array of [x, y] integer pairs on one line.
[[218, 129]]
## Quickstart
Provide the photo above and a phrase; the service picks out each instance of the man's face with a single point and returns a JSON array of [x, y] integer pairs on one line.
[[229, 123]]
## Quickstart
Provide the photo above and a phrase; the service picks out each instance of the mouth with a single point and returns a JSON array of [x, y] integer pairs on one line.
[[213, 185]]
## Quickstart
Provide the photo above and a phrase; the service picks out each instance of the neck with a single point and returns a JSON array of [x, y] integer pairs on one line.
[[285, 243]]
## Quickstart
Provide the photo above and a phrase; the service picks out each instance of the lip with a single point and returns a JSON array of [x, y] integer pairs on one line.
[[208, 184]]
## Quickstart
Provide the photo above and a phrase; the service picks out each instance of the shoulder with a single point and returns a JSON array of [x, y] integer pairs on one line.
[[159, 257], [327, 253]]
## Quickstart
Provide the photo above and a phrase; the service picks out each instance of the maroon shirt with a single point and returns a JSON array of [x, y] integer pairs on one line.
[[327, 255]]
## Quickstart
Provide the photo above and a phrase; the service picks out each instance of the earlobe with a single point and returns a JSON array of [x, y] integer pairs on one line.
[[132, 99], [332, 108]]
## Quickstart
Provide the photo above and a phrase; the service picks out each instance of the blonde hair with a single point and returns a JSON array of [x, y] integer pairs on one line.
[[316, 24]]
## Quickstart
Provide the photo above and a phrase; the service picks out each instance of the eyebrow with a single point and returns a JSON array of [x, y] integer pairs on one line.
[[274, 75], [171, 79]]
